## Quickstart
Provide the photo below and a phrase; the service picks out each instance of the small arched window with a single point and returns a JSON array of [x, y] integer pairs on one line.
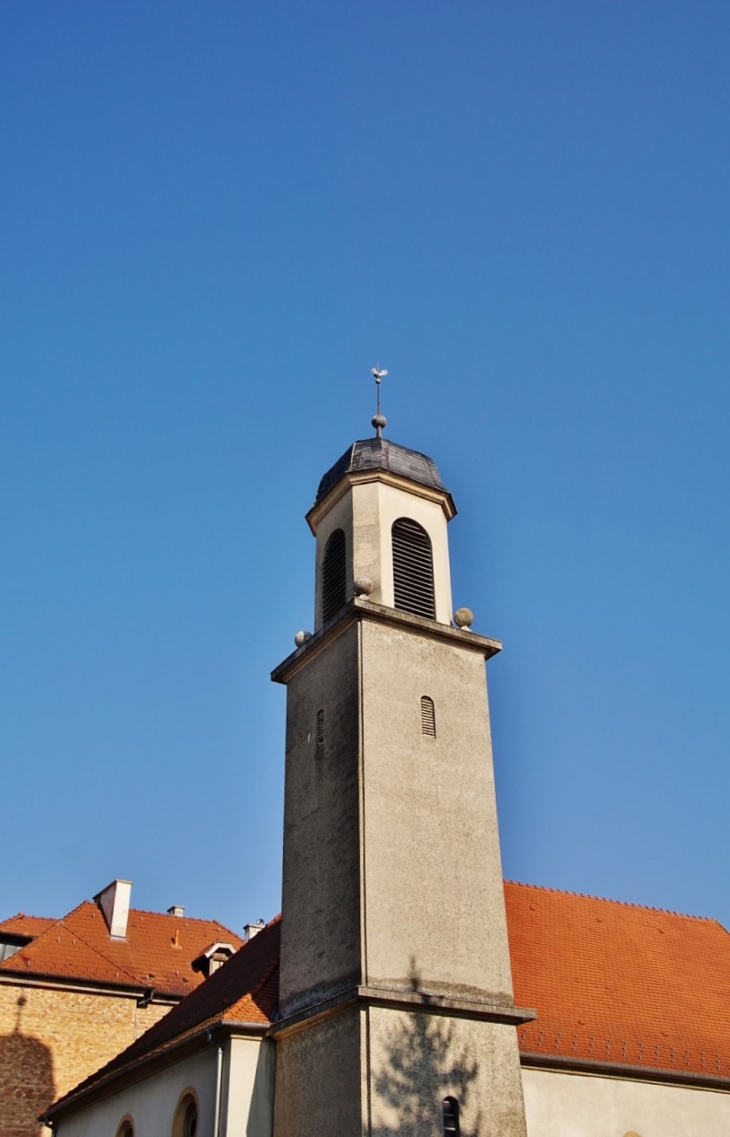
[[126, 1129], [185, 1120], [428, 716], [320, 733], [334, 575], [413, 569], [450, 1107]]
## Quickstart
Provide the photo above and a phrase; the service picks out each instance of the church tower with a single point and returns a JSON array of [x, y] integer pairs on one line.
[[396, 1008]]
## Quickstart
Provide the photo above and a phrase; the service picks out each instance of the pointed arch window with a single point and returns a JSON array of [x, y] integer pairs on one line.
[[334, 575], [450, 1108], [413, 569]]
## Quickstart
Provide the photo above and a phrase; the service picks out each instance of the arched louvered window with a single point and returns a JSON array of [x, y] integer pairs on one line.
[[413, 569], [334, 576], [320, 732], [450, 1107], [428, 716]]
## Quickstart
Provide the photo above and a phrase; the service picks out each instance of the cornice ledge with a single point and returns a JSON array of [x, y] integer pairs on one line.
[[360, 608], [360, 477], [485, 1010]]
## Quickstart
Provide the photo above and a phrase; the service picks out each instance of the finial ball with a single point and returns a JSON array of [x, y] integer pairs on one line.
[[301, 638], [379, 421], [363, 586], [464, 617]]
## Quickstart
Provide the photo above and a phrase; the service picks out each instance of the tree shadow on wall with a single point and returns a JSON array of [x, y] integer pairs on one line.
[[421, 1067], [26, 1078]]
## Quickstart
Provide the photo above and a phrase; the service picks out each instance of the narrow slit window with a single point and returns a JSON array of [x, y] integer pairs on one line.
[[413, 569], [320, 732], [428, 716], [450, 1107], [334, 575]]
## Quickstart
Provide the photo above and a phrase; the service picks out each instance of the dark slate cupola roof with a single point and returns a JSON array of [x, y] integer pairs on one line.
[[381, 454]]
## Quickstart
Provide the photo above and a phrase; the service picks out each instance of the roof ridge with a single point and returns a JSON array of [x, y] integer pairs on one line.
[[112, 963], [170, 916], [39, 941], [610, 900], [36, 940], [28, 916]]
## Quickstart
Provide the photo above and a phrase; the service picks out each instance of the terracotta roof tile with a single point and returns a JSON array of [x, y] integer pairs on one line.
[[157, 953], [618, 983], [611, 982], [244, 989], [22, 925], [60, 946]]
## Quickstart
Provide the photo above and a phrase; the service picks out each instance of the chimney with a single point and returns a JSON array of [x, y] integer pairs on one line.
[[114, 903], [176, 910], [251, 930]]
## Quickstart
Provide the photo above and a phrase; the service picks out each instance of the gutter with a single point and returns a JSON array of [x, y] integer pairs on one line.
[[594, 1067], [90, 986], [218, 1086]]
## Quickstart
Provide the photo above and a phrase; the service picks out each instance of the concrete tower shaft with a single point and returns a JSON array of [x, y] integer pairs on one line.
[[396, 1002]]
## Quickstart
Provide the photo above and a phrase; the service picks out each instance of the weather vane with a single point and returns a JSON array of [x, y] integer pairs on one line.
[[379, 420]]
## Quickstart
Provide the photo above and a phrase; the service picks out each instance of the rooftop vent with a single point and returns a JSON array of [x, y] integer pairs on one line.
[[114, 902], [251, 930]]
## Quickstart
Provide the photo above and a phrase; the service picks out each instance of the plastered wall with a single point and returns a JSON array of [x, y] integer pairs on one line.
[[366, 513], [320, 945], [432, 886], [574, 1105], [150, 1104], [416, 1059]]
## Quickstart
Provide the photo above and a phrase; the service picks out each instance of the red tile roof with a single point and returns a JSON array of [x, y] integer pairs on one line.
[[621, 984], [157, 953], [243, 990], [22, 925], [611, 982]]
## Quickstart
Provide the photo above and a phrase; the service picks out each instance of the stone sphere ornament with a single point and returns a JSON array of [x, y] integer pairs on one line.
[[464, 617], [301, 638], [363, 586]]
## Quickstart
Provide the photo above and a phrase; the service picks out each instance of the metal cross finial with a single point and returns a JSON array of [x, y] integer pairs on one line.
[[379, 420]]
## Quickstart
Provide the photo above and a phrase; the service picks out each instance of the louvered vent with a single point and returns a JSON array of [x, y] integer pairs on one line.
[[428, 716], [320, 732], [413, 569], [334, 576]]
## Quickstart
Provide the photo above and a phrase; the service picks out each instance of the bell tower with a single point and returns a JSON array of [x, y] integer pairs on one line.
[[396, 1006]]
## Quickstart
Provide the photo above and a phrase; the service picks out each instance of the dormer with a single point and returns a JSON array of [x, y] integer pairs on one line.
[[380, 518], [213, 957]]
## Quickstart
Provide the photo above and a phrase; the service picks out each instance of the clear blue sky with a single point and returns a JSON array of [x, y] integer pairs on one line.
[[215, 219]]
